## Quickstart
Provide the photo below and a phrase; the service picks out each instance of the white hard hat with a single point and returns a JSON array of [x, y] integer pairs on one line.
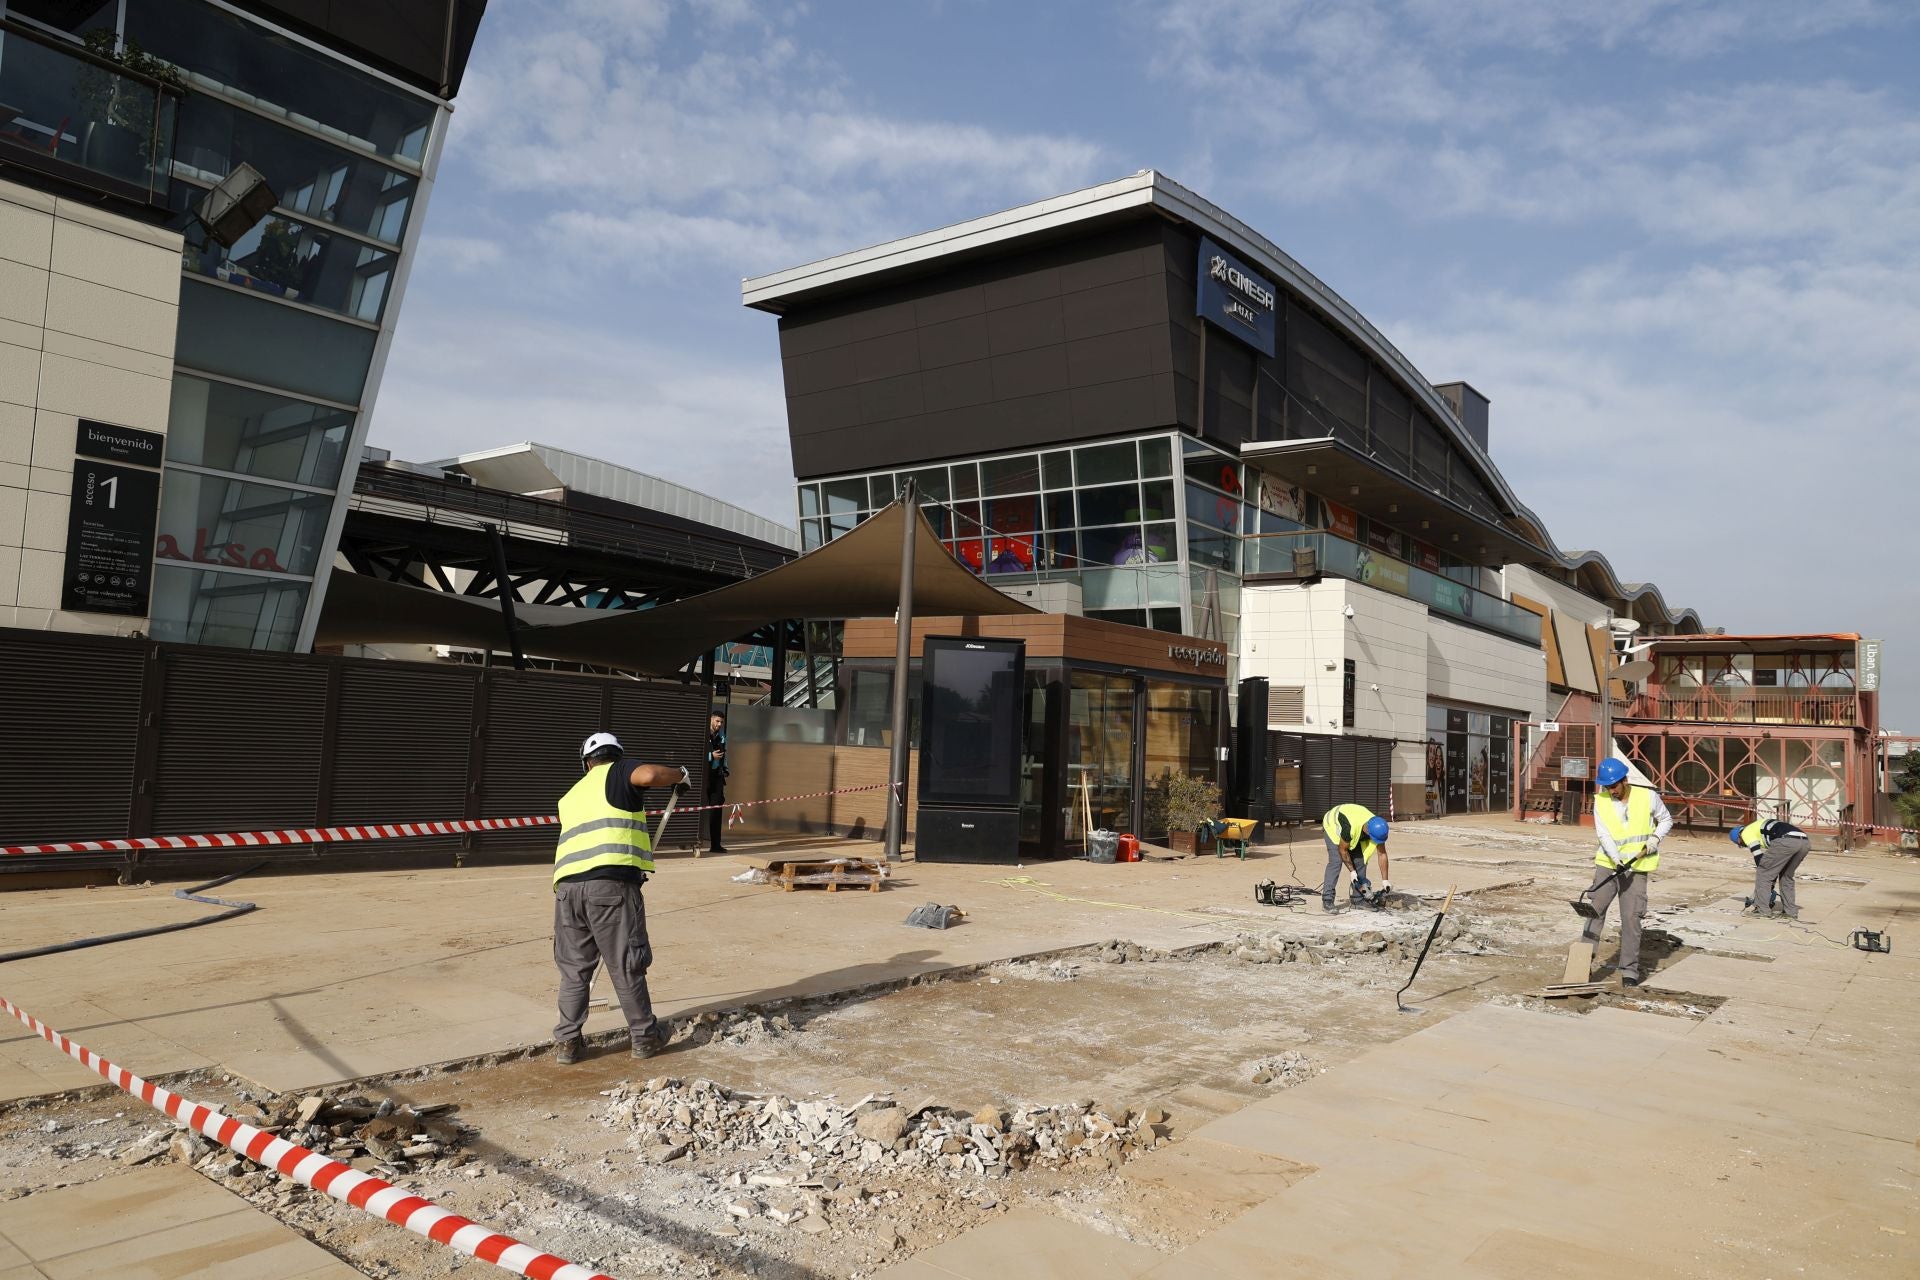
[[599, 742]]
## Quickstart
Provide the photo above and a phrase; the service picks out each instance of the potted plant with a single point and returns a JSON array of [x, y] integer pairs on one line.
[[276, 263], [1186, 803], [119, 110]]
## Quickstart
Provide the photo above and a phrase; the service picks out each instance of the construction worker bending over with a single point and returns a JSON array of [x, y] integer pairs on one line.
[[599, 868], [1778, 849], [1631, 822], [1354, 836]]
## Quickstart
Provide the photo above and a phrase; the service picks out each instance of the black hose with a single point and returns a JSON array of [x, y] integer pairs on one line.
[[192, 894]]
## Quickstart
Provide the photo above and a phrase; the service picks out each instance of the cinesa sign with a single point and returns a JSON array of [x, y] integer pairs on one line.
[[1234, 298]]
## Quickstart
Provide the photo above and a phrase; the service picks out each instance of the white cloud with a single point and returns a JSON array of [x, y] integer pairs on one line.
[[459, 253], [735, 134], [714, 422]]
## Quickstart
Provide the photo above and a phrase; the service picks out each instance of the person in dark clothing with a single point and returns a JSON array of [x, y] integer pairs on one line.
[[716, 780]]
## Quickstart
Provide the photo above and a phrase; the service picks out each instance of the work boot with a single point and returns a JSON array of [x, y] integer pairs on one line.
[[1631, 979], [570, 1052], [647, 1046]]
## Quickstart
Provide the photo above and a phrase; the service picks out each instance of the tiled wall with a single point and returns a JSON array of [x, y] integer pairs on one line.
[[1290, 634], [89, 303]]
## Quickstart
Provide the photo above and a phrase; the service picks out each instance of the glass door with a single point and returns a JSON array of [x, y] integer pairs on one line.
[[1101, 734]]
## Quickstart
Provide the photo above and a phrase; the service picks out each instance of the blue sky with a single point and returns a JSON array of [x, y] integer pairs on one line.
[[1677, 244]]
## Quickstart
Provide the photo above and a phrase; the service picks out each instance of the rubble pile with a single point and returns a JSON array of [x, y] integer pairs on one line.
[[670, 1119], [1037, 971], [1289, 1068], [372, 1136]]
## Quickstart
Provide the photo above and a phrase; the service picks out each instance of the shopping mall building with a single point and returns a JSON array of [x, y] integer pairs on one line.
[[208, 210], [1125, 403]]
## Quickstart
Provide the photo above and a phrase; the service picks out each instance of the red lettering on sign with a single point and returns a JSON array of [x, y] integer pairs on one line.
[[234, 554]]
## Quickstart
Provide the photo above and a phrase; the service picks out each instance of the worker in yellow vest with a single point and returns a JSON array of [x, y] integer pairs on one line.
[[1778, 849], [599, 867], [1354, 835], [1631, 822]]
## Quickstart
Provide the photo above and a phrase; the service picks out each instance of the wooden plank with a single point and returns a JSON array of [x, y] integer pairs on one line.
[[1579, 962], [1556, 672]]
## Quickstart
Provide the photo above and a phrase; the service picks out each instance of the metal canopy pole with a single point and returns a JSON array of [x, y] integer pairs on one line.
[[506, 596], [902, 657]]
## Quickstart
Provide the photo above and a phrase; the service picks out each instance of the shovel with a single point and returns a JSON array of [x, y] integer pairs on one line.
[[1586, 910], [1431, 933]]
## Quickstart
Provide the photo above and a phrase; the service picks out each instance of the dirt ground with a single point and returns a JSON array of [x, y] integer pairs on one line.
[[1195, 1033]]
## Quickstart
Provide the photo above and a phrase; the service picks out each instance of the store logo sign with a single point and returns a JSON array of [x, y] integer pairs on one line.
[[1197, 656], [1234, 298]]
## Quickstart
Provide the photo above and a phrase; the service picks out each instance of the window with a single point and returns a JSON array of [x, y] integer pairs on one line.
[[233, 523], [243, 611], [1156, 458], [282, 258], [1104, 464], [1056, 469], [1347, 695], [326, 183], [257, 433], [1001, 476], [284, 78]]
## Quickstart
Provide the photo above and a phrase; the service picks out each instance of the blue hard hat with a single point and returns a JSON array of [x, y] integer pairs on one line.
[[1376, 830], [1734, 835], [1611, 771]]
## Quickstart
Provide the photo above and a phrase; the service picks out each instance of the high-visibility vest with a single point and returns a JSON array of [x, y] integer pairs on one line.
[[1630, 835], [595, 834], [1753, 836], [1358, 816]]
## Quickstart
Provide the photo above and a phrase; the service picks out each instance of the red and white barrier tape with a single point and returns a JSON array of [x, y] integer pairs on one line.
[[365, 831], [309, 1168]]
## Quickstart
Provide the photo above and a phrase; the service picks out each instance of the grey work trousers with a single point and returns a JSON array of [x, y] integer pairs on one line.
[[1633, 905], [595, 920], [1330, 883], [1778, 863]]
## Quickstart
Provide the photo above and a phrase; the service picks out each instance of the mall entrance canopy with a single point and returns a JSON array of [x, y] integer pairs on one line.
[[857, 575]]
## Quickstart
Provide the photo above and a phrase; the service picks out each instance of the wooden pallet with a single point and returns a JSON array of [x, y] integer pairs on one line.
[[1561, 990], [828, 875]]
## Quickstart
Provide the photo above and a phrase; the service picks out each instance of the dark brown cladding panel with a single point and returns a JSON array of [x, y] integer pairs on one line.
[[1064, 342]]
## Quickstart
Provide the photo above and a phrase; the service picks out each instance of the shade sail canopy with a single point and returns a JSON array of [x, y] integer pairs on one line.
[[857, 575]]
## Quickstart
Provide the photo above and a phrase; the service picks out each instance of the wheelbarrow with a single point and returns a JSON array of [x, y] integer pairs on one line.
[[1231, 836]]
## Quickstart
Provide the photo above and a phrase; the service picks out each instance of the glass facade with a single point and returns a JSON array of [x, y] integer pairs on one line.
[[278, 332], [1106, 515]]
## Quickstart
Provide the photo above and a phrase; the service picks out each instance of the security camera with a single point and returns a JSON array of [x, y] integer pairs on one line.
[[1348, 611], [1374, 687]]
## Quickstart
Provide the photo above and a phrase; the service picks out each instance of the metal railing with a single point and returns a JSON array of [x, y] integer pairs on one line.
[[1741, 705], [85, 119], [541, 520], [1273, 553]]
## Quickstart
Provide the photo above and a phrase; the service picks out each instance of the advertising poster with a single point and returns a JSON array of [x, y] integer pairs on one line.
[[1342, 521], [1425, 556], [1387, 575], [1278, 498], [1383, 539]]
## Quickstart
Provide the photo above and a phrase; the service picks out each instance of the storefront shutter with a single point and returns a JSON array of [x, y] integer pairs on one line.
[[535, 725], [400, 752], [243, 735], [67, 754], [1346, 773], [1319, 785], [667, 724]]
